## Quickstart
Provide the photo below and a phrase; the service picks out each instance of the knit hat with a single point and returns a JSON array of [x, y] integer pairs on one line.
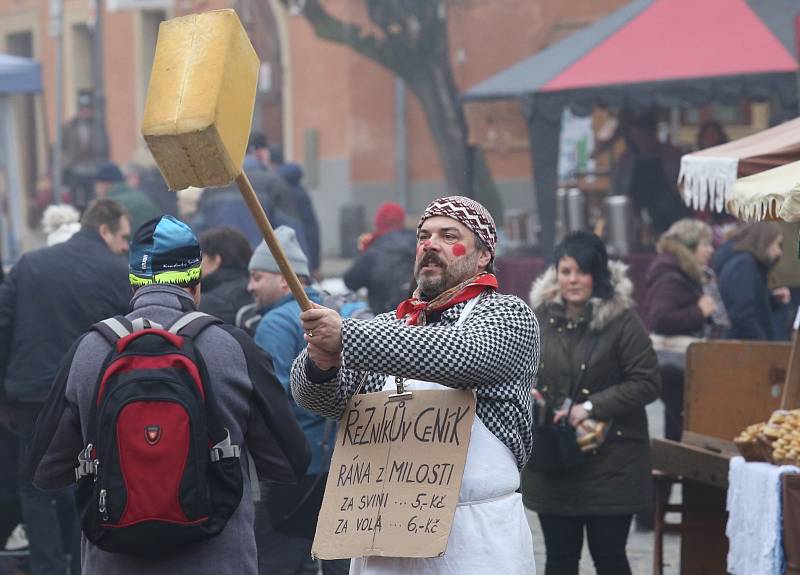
[[389, 218], [164, 251], [108, 172], [468, 212], [263, 261]]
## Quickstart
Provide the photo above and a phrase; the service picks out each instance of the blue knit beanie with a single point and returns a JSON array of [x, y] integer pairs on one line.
[[164, 251]]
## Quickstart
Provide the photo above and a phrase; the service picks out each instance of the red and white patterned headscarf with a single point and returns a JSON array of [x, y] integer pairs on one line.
[[468, 212]]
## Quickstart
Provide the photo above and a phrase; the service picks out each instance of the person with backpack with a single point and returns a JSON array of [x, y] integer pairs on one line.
[[159, 414], [287, 518]]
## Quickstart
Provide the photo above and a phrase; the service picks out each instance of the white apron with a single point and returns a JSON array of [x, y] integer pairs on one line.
[[490, 533]]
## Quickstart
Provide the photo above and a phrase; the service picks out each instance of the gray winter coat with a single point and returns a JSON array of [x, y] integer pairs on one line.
[[620, 379], [253, 405]]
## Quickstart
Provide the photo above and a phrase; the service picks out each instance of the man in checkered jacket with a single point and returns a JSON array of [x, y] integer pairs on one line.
[[456, 331]]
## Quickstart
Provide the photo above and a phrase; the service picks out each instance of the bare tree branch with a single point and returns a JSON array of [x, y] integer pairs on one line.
[[329, 28], [411, 40]]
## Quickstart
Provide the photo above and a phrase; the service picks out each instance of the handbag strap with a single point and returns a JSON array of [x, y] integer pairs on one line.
[[574, 392]]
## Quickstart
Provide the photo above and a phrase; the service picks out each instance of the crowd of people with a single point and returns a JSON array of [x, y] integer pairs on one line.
[[575, 361]]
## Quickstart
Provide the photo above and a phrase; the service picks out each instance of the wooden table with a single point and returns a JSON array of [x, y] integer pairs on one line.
[[728, 386]]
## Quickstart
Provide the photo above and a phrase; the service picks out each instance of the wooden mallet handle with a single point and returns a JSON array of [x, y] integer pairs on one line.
[[250, 198]]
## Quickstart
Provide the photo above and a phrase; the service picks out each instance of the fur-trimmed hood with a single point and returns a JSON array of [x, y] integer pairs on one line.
[[545, 291], [684, 258]]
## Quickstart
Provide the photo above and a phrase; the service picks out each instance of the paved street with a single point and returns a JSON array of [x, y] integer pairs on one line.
[[640, 552]]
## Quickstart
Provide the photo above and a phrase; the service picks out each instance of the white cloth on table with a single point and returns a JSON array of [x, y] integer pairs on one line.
[[755, 517]]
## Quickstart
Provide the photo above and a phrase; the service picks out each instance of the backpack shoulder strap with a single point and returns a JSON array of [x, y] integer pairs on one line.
[[192, 323], [114, 328], [242, 315]]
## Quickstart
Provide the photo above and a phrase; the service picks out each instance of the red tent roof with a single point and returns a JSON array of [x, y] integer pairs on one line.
[[648, 42], [672, 39]]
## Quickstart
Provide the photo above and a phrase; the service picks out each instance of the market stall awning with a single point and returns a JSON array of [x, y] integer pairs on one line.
[[656, 41], [708, 176], [649, 53], [19, 75], [771, 194]]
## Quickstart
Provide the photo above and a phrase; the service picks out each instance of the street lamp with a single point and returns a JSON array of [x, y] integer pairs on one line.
[[99, 134]]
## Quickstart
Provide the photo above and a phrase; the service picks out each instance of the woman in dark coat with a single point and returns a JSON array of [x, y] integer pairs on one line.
[[742, 265], [585, 303], [679, 303]]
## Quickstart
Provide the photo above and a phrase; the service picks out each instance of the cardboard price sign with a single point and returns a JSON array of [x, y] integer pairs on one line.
[[395, 475]]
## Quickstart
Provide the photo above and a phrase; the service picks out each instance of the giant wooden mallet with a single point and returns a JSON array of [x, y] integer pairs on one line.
[[199, 110]]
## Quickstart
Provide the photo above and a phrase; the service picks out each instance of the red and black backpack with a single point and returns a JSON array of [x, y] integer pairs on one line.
[[158, 470]]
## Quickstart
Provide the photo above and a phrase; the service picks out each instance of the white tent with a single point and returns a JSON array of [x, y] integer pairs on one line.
[[771, 194], [708, 176]]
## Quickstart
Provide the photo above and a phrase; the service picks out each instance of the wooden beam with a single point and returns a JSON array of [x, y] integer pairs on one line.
[[714, 444], [690, 462], [791, 391]]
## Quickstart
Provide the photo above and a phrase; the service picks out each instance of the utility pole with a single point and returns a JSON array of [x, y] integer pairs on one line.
[[99, 135], [400, 144], [57, 31], [797, 53]]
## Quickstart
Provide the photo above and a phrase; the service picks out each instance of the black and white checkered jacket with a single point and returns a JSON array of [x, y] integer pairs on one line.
[[495, 351]]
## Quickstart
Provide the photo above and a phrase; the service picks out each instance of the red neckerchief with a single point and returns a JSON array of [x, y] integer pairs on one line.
[[415, 311]]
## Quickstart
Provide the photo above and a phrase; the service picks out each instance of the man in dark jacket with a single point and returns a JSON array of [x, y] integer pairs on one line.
[[150, 182], [81, 151], [253, 407], [294, 201], [219, 207], [50, 297], [226, 253], [293, 175]]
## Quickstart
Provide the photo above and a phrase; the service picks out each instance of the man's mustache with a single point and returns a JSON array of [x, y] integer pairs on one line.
[[430, 258]]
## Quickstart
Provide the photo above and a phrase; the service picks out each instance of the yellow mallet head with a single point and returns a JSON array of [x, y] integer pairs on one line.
[[200, 100]]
